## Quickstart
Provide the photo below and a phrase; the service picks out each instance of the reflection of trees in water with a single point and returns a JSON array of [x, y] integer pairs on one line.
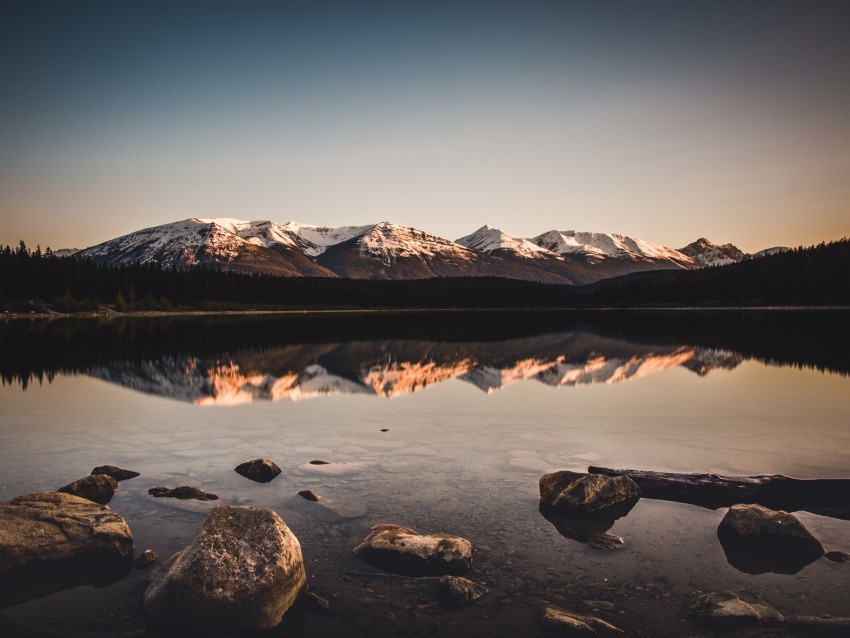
[[37, 350]]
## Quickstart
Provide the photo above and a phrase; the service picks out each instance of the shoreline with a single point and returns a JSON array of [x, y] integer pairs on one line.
[[113, 314]]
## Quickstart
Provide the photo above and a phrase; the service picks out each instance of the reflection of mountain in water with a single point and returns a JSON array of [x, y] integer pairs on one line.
[[392, 368]]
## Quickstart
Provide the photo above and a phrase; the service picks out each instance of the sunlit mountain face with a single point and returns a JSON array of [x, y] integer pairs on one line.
[[393, 368]]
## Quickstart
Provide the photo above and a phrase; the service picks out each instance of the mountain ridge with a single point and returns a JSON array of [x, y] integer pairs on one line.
[[389, 251]]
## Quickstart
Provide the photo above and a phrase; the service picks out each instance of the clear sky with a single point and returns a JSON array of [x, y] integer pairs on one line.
[[661, 120]]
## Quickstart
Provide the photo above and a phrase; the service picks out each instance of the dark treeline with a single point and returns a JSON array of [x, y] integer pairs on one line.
[[32, 280], [818, 275], [35, 281]]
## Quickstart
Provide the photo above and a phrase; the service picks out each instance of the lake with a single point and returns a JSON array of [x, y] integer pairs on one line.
[[442, 422]]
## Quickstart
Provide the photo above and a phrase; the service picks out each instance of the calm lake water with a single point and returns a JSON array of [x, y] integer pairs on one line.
[[476, 407]]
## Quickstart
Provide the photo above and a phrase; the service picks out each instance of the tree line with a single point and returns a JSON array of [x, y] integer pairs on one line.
[[36, 280]]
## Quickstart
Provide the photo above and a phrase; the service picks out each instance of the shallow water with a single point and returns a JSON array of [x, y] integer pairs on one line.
[[476, 407]]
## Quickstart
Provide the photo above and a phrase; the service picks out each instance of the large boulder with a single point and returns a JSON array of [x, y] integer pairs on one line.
[[730, 609], [758, 540], [402, 550], [575, 493], [99, 488], [57, 535], [242, 571], [259, 470]]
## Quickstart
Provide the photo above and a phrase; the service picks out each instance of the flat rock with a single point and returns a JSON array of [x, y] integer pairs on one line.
[[332, 469], [729, 609], [242, 571], [567, 623], [184, 492], [758, 540], [460, 591], [402, 550], [115, 472], [259, 470], [99, 488], [56, 534], [577, 493]]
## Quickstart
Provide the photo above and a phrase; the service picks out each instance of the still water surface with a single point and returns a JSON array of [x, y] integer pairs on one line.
[[476, 407]]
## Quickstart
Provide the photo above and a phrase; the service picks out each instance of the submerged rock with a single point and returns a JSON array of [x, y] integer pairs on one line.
[[576, 493], [259, 470], [838, 557], [566, 623], [242, 571], [145, 559], [99, 488], [729, 609], [758, 540], [115, 472], [458, 590], [183, 493], [589, 528], [72, 540], [401, 549]]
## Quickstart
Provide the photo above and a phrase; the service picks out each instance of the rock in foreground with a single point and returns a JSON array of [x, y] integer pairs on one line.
[[58, 530], [242, 571], [565, 623], [402, 550], [459, 591], [98, 488], [576, 493], [259, 470], [729, 609], [115, 472], [758, 540]]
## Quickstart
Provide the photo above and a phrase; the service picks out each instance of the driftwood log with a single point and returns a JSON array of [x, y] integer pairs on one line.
[[828, 497]]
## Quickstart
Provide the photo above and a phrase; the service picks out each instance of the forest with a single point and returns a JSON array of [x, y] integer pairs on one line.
[[39, 281]]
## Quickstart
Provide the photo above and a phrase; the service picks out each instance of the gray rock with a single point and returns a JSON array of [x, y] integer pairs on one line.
[[115, 472], [576, 493], [401, 549], [184, 492], [242, 571], [758, 540], [99, 488], [458, 590], [259, 470], [729, 609], [566, 623], [59, 530]]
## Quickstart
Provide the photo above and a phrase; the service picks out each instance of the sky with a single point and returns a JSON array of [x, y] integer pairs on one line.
[[664, 120]]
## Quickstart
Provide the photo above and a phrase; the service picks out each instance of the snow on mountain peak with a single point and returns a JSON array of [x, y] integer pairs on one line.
[[602, 245], [487, 239]]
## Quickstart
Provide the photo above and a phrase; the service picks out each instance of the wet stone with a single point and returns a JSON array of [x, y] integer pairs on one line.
[[309, 495], [115, 472], [838, 557], [98, 488], [258, 470], [457, 590], [183, 493], [728, 609], [145, 559]]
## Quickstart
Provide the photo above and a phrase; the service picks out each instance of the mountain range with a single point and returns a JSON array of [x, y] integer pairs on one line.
[[388, 251]]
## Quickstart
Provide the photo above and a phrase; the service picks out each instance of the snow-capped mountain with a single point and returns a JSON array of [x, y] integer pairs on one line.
[[704, 253], [389, 251]]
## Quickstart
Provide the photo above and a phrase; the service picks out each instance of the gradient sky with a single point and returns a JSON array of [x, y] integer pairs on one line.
[[661, 120]]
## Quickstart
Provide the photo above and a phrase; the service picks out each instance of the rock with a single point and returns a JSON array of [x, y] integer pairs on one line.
[[589, 528], [318, 603], [400, 549], [566, 623], [309, 495], [319, 463], [115, 472], [758, 540], [145, 559], [99, 488], [728, 609], [838, 557], [576, 493], [242, 572], [598, 605], [183, 492], [458, 590], [332, 469], [259, 470], [73, 540], [385, 430]]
